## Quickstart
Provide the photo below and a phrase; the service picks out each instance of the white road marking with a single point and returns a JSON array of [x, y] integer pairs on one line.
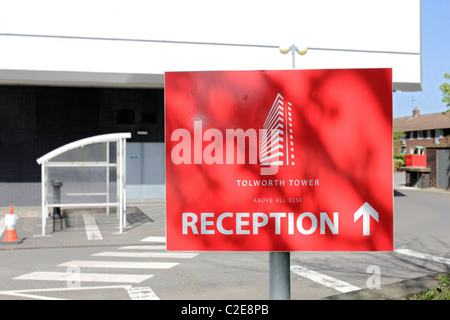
[[92, 230], [168, 255], [142, 293], [118, 264], [425, 256], [2, 226], [27, 293], [29, 296], [93, 233], [323, 279], [143, 247], [155, 239], [84, 277]]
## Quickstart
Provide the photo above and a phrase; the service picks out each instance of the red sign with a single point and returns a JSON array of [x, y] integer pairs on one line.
[[415, 160], [297, 160]]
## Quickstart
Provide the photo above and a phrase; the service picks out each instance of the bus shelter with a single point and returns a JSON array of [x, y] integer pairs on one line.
[[87, 173]]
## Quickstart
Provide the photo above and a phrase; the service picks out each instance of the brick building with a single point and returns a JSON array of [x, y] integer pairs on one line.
[[422, 131], [427, 134]]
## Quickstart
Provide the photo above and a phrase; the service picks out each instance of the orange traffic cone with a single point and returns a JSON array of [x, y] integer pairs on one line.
[[10, 222]]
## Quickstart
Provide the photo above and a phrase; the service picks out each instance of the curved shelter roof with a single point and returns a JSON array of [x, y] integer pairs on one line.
[[83, 142]]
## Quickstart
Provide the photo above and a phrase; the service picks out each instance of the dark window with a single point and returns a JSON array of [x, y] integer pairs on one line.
[[149, 118], [125, 116]]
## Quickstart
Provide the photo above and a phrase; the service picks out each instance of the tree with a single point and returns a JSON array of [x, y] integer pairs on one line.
[[445, 88], [398, 136]]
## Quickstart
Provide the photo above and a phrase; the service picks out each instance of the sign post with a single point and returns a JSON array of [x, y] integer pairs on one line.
[[279, 161], [280, 275], [280, 262]]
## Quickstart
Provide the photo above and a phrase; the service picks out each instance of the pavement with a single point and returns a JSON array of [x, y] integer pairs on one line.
[[148, 218], [75, 226], [400, 184]]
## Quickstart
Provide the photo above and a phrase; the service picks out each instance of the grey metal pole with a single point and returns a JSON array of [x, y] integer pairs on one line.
[[280, 275], [293, 49], [280, 262]]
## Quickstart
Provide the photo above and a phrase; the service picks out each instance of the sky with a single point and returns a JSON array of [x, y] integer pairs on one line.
[[435, 62]]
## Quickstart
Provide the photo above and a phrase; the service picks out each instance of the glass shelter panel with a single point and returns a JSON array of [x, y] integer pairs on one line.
[[80, 185]]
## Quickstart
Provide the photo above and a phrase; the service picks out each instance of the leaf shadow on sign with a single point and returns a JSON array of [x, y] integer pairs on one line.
[[324, 103], [334, 115]]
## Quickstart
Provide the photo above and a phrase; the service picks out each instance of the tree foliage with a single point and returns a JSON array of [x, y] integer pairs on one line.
[[445, 88]]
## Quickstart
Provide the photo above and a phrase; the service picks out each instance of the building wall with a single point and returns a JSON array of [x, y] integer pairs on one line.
[[443, 170], [438, 160], [432, 164], [34, 120], [410, 144], [135, 37], [145, 171]]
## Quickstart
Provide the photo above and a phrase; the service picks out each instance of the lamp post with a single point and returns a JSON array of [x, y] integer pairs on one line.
[[280, 262], [301, 51]]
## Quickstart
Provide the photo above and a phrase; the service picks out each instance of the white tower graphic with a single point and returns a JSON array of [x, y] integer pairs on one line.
[[276, 144]]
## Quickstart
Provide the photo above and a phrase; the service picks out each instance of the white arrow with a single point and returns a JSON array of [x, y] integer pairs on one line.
[[366, 211]]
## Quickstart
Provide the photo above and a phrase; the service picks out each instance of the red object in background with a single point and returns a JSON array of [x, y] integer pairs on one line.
[[415, 160], [296, 160]]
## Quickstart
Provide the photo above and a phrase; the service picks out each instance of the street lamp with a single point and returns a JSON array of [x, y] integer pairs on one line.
[[301, 51]]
